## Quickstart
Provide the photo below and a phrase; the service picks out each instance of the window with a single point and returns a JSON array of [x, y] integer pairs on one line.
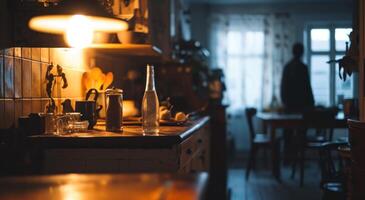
[[328, 43], [245, 51]]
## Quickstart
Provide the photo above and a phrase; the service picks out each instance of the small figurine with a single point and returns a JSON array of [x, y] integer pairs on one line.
[[62, 75], [50, 79], [51, 82]]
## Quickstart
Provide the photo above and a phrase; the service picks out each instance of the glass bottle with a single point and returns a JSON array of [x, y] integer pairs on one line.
[[150, 105], [114, 110]]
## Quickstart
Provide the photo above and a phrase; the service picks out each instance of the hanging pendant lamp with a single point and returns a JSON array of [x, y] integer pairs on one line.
[[78, 20]]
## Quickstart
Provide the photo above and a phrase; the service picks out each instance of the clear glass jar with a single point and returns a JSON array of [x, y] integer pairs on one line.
[[50, 127], [114, 109]]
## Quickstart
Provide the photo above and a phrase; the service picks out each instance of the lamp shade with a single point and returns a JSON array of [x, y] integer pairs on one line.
[[94, 14], [78, 21]]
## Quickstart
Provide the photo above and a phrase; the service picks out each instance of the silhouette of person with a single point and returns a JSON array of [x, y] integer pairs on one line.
[[296, 91], [296, 95]]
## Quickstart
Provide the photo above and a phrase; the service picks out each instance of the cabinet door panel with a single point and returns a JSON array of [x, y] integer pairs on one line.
[[102, 166], [54, 165]]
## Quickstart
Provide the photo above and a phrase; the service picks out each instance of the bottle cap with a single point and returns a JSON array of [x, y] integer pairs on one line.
[[114, 91]]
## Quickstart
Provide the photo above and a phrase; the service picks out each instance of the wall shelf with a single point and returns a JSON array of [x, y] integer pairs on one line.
[[127, 49]]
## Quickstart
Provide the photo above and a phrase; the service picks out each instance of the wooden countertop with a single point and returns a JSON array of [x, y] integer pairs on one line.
[[104, 186], [131, 137]]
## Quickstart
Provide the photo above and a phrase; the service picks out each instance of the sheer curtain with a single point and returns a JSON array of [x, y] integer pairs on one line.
[[279, 36], [251, 50]]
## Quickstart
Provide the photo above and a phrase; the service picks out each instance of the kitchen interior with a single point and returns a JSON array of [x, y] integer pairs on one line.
[[161, 99]]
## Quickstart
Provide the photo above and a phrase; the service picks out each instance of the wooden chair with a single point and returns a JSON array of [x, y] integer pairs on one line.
[[321, 120], [333, 180], [257, 141]]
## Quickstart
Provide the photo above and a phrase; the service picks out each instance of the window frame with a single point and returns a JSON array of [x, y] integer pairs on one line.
[[332, 53]]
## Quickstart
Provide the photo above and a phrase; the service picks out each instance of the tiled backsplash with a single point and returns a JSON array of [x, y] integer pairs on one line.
[[23, 84]]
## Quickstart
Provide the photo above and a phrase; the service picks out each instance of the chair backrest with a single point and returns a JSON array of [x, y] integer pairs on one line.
[[329, 169], [250, 113], [322, 120]]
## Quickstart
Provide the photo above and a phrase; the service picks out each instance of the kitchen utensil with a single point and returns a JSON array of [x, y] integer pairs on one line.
[[96, 95], [108, 80], [95, 74], [101, 101], [86, 80], [88, 108], [100, 81]]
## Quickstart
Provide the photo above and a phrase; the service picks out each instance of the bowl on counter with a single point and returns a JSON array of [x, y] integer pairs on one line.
[[131, 37], [101, 38]]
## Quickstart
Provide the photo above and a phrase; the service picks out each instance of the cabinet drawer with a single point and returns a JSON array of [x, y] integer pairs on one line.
[[187, 151], [193, 146]]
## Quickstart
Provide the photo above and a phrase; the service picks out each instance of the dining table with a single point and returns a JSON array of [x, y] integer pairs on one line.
[[272, 121]]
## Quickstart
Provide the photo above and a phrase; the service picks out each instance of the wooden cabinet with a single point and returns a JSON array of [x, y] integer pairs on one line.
[[178, 149], [160, 25], [194, 152], [5, 36], [360, 18]]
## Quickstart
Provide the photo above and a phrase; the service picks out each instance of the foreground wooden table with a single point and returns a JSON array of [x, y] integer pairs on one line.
[[274, 121], [105, 186]]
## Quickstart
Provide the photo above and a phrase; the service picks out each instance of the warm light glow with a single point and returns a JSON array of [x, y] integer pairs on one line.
[[77, 29], [72, 58], [129, 108], [79, 32], [72, 191], [58, 23]]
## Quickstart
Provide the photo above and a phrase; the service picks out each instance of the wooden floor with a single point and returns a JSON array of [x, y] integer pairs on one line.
[[262, 185]]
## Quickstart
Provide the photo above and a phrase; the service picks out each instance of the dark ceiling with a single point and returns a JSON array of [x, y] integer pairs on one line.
[[264, 1]]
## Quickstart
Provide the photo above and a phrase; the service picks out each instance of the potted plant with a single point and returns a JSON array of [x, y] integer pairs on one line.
[[350, 62]]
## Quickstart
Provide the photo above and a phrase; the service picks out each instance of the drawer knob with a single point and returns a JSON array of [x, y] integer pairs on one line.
[[200, 141], [189, 151]]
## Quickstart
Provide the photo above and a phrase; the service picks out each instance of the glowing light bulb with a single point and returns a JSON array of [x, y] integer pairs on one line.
[[79, 32]]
